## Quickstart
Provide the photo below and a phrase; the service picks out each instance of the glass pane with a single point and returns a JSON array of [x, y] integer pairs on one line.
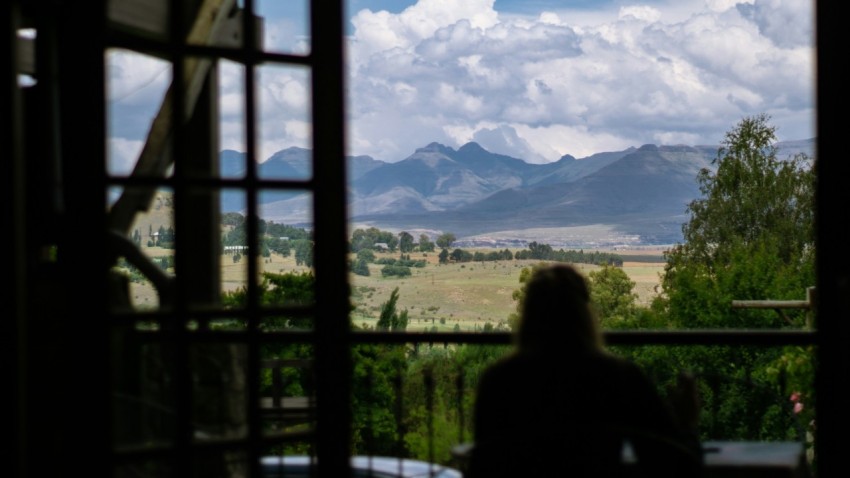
[[146, 258], [284, 122], [232, 119], [144, 395], [287, 389], [219, 410], [136, 85], [518, 126], [286, 25], [234, 248]]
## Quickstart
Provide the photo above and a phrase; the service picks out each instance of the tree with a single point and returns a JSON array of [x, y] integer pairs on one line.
[[749, 236], [366, 255], [390, 318], [753, 197], [611, 291], [361, 268], [444, 256], [304, 252], [425, 243], [405, 241], [445, 240]]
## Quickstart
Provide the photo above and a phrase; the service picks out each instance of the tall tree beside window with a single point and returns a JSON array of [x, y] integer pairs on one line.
[[750, 235], [753, 196]]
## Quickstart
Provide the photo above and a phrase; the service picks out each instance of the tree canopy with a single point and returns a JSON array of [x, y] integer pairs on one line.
[[753, 198]]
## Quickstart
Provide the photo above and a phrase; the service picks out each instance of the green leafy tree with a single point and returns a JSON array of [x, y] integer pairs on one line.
[[611, 291], [390, 318], [361, 268], [366, 255], [304, 252], [405, 241], [445, 240], [425, 243], [444, 256], [749, 236]]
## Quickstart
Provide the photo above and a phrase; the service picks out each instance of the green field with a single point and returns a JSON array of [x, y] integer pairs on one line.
[[466, 295]]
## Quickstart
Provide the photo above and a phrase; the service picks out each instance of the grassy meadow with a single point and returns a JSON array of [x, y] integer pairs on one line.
[[464, 296]]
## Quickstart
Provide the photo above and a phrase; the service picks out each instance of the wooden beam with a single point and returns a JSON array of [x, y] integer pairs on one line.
[[155, 158]]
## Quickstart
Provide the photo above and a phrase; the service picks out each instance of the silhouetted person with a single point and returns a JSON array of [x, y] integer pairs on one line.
[[560, 405]]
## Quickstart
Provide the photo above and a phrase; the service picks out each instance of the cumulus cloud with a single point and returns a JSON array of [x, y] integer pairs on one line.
[[533, 84], [511, 82]]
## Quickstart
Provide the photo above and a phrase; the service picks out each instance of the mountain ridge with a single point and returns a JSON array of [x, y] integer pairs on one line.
[[639, 193]]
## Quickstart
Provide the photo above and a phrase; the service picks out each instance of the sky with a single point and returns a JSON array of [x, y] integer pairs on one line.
[[532, 79]]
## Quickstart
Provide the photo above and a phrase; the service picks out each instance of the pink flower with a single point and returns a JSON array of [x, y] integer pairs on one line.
[[798, 407], [795, 397]]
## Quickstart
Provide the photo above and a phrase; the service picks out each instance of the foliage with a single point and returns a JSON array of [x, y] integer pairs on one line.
[[392, 270], [445, 240], [405, 241], [753, 197], [390, 319], [461, 255], [303, 252], [232, 219], [367, 238], [545, 252], [361, 268], [749, 236], [366, 255], [611, 293], [376, 390], [425, 243]]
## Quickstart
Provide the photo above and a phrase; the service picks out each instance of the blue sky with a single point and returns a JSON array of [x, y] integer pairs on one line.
[[534, 79]]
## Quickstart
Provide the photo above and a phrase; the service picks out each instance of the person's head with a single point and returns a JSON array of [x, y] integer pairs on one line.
[[557, 314]]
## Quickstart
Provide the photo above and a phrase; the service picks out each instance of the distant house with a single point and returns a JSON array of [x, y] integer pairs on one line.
[[235, 249], [381, 246]]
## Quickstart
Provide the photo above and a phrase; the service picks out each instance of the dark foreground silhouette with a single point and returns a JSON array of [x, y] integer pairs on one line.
[[560, 405]]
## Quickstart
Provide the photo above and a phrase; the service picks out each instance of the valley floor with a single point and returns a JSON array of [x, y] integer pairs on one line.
[[446, 297]]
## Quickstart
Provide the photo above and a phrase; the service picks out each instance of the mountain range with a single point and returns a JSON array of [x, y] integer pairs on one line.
[[637, 196]]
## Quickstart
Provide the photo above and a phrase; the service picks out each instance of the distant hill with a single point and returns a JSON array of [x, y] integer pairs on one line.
[[638, 193]]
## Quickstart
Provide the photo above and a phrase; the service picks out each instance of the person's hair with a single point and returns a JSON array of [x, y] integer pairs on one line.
[[557, 313]]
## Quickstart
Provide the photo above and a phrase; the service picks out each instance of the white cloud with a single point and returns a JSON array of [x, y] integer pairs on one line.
[[644, 75], [535, 84], [643, 13], [122, 155]]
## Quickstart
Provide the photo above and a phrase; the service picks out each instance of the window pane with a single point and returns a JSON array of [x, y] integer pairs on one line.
[[232, 127], [136, 86], [284, 122], [286, 25]]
